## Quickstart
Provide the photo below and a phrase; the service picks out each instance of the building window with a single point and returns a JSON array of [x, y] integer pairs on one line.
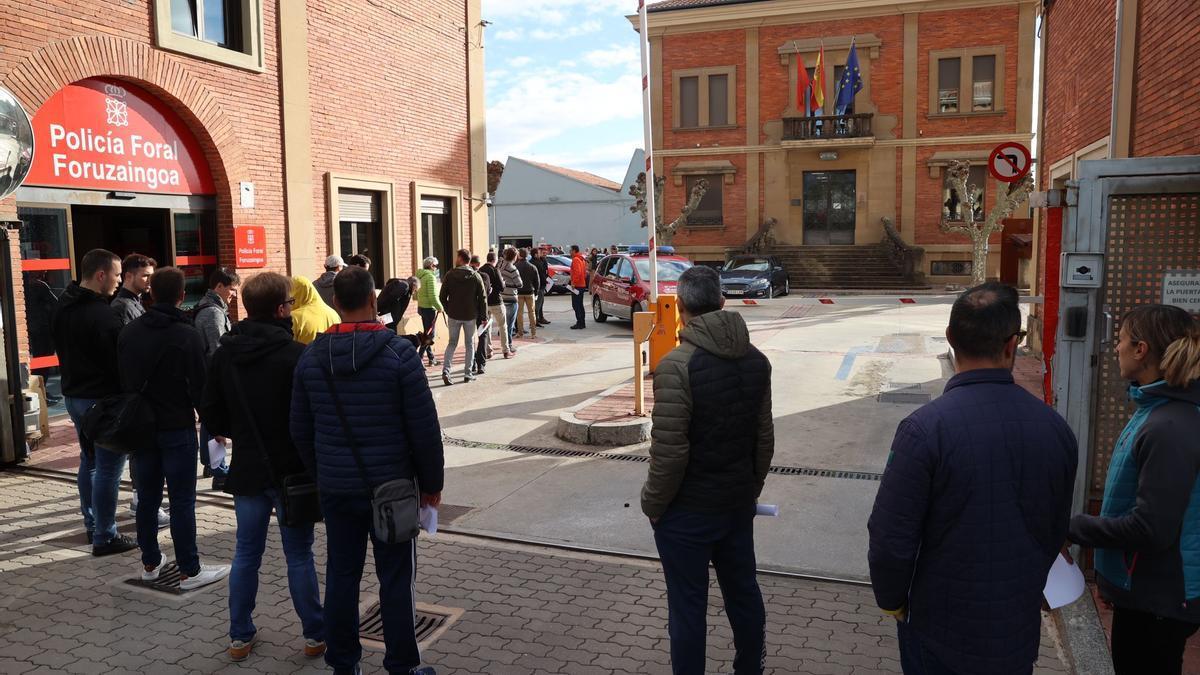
[[983, 82], [225, 31], [710, 212], [966, 81], [952, 202], [948, 85], [953, 268], [704, 97]]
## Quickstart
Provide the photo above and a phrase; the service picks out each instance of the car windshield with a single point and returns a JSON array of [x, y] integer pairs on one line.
[[748, 265], [668, 270]]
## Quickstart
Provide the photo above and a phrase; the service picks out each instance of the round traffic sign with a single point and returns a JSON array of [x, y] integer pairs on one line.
[[1009, 162]]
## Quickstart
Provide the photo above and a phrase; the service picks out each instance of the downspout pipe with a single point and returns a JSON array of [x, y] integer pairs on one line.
[[1116, 86]]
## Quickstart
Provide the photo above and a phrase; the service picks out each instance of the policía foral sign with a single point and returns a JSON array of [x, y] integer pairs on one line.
[[109, 135], [250, 246]]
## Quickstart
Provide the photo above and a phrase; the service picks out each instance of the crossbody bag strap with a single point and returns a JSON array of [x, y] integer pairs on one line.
[[241, 394], [153, 369], [337, 403]]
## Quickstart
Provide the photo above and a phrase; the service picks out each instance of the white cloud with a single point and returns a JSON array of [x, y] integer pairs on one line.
[[550, 11], [520, 61], [627, 56], [509, 35], [559, 105], [567, 31]]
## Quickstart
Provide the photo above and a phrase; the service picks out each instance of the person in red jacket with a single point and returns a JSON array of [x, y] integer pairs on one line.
[[579, 270]]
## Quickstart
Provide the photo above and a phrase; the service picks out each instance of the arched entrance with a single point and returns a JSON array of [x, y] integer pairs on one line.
[[116, 168]]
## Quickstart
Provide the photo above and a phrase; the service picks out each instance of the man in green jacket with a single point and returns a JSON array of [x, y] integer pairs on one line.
[[711, 447], [428, 304]]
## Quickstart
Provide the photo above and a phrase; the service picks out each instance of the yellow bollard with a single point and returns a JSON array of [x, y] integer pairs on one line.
[[666, 329], [643, 323]]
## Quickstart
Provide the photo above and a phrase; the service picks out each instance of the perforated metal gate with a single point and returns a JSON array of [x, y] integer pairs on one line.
[[1147, 235]]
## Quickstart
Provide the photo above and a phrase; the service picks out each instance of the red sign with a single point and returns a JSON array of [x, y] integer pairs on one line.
[[105, 134], [250, 246], [1009, 162]]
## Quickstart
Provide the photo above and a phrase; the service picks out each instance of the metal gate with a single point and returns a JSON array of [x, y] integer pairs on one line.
[[1128, 224]]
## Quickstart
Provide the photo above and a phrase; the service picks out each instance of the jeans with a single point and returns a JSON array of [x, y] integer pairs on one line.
[[1144, 643], [468, 332], [500, 321], [429, 324], [347, 527], [540, 304], [526, 308], [510, 319], [687, 541], [577, 305], [99, 478], [173, 458], [253, 520], [482, 345]]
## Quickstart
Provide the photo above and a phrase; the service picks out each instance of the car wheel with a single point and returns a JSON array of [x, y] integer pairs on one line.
[[597, 313], [787, 287], [770, 292]]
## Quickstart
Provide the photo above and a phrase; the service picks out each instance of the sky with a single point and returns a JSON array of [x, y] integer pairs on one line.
[[563, 83]]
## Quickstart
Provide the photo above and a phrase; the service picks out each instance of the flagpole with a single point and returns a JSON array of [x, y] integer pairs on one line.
[[651, 183]]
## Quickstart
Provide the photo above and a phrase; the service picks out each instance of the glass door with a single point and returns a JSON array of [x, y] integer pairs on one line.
[[194, 245], [829, 207], [46, 271]]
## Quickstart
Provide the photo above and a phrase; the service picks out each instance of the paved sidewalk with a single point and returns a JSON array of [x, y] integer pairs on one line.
[[526, 610]]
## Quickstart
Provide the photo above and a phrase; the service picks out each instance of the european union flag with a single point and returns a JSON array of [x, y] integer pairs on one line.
[[850, 84]]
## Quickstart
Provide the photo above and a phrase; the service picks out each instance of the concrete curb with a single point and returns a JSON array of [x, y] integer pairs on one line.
[[628, 432], [1083, 637]]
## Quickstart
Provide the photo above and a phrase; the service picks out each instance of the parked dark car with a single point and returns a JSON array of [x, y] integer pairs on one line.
[[754, 276]]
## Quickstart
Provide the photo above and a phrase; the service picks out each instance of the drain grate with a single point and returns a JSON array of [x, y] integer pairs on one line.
[[370, 626], [167, 581], [448, 513], [642, 459], [904, 397]]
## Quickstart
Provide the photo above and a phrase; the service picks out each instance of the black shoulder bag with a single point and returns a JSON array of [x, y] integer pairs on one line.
[[123, 423], [299, 501], [396, 504]]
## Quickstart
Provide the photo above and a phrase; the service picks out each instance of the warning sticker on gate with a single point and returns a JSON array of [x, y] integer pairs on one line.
[[1009, 162], [1181, 288]]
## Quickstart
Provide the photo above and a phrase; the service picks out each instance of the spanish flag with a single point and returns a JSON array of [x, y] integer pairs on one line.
[[818, 84]]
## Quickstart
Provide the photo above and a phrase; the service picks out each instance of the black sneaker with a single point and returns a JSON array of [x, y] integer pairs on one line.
[[218, 483], [119, 544], [89, 538]]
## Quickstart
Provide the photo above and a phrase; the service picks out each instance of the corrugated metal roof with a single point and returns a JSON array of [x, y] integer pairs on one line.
[[668, 5], [581, 176]]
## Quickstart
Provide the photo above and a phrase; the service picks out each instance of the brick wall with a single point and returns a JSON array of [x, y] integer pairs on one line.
[[929, 198], [1167, 95], [1077, 105], [401, 123], [733, 233], [680, 52]]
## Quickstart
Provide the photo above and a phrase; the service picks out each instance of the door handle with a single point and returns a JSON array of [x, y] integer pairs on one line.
[[1109, 325]]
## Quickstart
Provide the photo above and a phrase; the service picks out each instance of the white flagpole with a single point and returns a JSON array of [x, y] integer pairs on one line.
[[651, 207]]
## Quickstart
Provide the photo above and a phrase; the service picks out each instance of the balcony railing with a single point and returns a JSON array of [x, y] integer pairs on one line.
[[829, 127]]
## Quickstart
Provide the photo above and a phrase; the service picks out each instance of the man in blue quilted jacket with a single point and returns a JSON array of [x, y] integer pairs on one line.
[[391, 419], [973, 506]]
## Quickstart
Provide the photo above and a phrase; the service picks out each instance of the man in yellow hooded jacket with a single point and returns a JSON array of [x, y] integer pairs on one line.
[[310, 315]]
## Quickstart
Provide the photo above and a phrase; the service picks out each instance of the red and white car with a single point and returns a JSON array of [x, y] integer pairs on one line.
[[621, 284], [559, 271]]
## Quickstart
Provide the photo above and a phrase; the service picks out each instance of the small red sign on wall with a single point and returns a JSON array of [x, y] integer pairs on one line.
[[250, 245]]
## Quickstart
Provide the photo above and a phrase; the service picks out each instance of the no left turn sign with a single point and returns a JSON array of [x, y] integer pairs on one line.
[[1009, 162]]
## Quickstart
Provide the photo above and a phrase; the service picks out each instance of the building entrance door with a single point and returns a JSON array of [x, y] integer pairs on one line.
[[436, 239], [829, 207]]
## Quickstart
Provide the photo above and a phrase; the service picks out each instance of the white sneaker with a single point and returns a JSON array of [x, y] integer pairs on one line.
[[164, 519], [209, 574], [151, 575]]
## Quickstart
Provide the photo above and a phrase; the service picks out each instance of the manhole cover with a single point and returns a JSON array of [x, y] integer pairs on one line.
[[430, 624], [904, 397], [167, 581], [448, 513]]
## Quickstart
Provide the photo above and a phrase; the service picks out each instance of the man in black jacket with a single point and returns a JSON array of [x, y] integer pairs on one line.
[[85, 338], [527, 295], [543, 268], [495, 302], [162, 355], [465, 302], [247, 397]]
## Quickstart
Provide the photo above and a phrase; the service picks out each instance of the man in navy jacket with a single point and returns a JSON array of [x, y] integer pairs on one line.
[[390, 412], [973, 506]]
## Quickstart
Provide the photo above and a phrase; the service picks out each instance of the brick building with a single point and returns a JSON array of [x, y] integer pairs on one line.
[[942, 80], [174, 128]]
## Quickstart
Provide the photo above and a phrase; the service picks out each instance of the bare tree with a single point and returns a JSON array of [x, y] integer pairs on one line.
[[980, 231], [664, 234]]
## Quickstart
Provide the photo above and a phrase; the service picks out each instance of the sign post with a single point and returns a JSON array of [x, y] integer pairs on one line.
[[648, 132]]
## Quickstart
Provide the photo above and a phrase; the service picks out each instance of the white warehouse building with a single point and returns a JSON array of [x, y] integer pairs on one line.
[[538, 204]]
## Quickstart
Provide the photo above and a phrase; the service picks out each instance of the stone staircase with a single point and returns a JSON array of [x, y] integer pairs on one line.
[[842, 267]]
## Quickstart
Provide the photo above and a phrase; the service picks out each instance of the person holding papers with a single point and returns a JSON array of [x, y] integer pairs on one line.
[[973, 506], [1147, 536]]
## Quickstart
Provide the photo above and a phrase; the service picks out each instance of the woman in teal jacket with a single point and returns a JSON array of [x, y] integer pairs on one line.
[[1147, 536], [428, 304]]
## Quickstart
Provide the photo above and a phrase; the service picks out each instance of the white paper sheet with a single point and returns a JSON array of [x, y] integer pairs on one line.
[[1064, 584], [771, 510], [385, 318], [216, 453], [428, 519]]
